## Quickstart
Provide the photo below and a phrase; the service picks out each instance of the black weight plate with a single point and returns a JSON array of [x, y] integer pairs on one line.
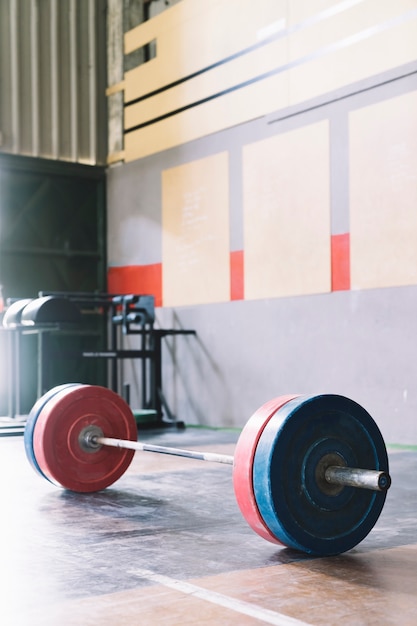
[[295, 509], [31, 423]]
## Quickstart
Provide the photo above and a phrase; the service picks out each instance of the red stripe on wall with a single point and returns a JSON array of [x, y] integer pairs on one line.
[[140, 279], [236, 275], [341, 262]]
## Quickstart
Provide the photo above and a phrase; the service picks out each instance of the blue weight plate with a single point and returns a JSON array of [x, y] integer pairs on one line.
[[290, 501], [31, 423]]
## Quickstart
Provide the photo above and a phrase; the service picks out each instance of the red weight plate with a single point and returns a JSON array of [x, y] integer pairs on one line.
[[243, 463], [56, 439]]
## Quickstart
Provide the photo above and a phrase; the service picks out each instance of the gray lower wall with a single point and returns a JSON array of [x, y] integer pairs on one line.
[[358, 344]]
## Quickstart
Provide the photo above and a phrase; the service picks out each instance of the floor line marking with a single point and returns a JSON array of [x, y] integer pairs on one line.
[[239, 606]]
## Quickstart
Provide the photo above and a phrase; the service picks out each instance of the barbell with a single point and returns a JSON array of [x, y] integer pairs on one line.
[[309, 472]]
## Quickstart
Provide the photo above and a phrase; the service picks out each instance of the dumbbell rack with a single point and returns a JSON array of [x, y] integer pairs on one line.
[[122, 315], [27, 316], [134, 314]]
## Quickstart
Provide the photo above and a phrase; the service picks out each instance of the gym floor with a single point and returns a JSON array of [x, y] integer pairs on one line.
[[167, 544]]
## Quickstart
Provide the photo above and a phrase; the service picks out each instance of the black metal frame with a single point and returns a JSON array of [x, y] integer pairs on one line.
[[133, 314]]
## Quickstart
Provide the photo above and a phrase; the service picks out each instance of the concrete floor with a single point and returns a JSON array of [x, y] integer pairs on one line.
[[167, 545]]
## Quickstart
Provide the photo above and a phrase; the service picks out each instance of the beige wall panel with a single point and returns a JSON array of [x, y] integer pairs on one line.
[[383, 193], [377, 53], [303, 10], [216, 80], [195, 237], [358, 17], [210, 34], [234, 108], [373, 54], [286, 197], [170, 18]]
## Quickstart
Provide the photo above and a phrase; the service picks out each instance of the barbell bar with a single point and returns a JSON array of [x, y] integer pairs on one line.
[[338, 475], [93, 438], [309, 472]]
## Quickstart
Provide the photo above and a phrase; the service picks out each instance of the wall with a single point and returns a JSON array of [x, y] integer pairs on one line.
[[52, 76], [52, 238], [266, 196]]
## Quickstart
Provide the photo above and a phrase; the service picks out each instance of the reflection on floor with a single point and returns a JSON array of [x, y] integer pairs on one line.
[[167, 545]]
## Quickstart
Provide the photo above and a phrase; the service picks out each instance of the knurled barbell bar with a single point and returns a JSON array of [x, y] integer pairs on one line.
[[309, 472]]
